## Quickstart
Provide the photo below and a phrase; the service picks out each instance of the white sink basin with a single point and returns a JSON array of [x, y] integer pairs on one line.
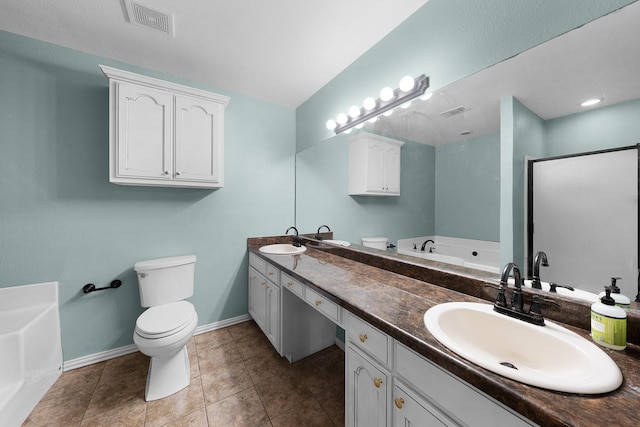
[[550, 357], [282, 249]]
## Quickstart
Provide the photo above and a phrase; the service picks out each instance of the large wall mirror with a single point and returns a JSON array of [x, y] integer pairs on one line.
[[451, 182]]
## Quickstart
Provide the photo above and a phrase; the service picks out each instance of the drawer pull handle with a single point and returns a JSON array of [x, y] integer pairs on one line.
[[399, 402], [363, 337], [289, 284], [271, 273], [377, 382], [318, 302]]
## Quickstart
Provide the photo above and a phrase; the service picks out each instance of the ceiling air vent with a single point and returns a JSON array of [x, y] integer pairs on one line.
[[144, 16], [454, 111]]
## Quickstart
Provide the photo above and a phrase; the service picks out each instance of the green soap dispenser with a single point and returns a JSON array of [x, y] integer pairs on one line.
[[609, 322], [621, 300]]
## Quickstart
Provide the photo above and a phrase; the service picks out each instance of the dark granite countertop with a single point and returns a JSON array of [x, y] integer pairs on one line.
[[396, 303]]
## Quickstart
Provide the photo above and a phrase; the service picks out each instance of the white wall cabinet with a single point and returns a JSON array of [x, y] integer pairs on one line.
[[164, 134], [374, 165]]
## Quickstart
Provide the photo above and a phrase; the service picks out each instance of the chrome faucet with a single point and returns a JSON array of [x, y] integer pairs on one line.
[[534, 315], [297, 241], [540, 257], [318, 236], [425, 243]]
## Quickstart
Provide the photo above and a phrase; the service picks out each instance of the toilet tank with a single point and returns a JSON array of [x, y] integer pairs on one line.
[[165, 280]]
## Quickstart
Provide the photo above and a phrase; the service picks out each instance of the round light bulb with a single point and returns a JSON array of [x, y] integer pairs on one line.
[[342, 118], [426, 96], [348, 131], [406, 105], [359, 125], [369, 103], [373, 119], [388, 113], [407, 83], [386, 94], [354, 112], [331, 124]]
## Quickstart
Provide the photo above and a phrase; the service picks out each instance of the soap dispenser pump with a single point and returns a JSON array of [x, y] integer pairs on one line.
[[621, 300], [609, 322]]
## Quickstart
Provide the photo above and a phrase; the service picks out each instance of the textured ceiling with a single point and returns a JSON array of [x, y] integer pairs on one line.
[[281, 51]]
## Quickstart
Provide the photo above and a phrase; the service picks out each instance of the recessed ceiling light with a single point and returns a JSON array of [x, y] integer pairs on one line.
[[590, 102]]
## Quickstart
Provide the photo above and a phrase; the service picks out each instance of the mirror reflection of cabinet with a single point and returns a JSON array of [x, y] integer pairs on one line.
[[374, 165]]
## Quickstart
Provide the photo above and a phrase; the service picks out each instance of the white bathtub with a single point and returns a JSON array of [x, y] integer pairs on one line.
[[30, 348]]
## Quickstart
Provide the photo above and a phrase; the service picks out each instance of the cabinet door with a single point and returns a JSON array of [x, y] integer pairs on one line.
[[411, 411], [144, 132], [257, 298], [392, 169], [375, 167], [366, 403], [198, 142], [273, 315]]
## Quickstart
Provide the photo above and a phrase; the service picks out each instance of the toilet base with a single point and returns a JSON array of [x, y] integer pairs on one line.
[[167, 375]]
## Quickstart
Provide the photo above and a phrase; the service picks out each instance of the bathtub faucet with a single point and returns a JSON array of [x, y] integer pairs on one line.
[[430, 247]]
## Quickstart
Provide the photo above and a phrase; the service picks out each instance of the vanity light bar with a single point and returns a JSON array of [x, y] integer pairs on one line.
[[399, 97]]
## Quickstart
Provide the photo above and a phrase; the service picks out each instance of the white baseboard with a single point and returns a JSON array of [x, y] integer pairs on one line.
[[90, 359]]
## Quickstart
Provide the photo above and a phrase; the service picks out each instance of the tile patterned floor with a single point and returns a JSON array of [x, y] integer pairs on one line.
[[237, 379]]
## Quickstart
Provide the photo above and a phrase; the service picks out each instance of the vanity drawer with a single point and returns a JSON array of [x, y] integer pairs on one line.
[[292, 284], [368, 338], [273, 274], [323, 304], [258, 263]]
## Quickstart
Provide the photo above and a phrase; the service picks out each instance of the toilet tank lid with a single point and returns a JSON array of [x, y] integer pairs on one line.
[[153, 264]]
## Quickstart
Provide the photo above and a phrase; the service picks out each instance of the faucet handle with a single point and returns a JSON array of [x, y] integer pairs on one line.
[[501, 299], [536, 305]]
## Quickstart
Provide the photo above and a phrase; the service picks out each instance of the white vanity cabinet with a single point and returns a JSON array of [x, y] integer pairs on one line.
[[264, 298], [367, 391], [164, 134], [389, 384], [368, 384], [374, 165], [443, 396]]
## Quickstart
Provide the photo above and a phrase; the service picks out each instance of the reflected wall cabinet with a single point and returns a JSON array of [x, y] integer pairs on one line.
[[374, 165], [164, 134]]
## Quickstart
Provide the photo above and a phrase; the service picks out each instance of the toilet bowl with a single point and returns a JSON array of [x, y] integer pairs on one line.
[[162, 333], [164, 329]]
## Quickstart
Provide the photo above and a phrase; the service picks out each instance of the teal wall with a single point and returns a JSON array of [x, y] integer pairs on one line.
[[61, 220], [467, 203], [447, 40], [322, 187], [605, 127], [522, 133]]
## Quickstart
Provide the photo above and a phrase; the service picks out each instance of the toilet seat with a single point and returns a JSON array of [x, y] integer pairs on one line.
[[165, 320]]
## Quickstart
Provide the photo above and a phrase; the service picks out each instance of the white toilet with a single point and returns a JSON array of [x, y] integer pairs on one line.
[[164, 329]]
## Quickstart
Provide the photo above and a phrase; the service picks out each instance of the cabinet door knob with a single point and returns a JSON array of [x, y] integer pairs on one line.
[[289, 284], [318, 302], [399, 402], [178, 173], [270, 273], [363, 337], [166, 172], [377, 382]]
